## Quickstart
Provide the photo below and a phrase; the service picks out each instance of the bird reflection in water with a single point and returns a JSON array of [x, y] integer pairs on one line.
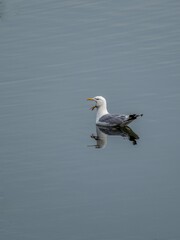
[[102, 132]]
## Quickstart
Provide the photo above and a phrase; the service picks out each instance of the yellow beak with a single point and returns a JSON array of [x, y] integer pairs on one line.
[[90, 99]]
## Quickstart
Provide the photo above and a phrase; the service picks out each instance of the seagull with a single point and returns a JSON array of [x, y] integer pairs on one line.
[[104, 118]]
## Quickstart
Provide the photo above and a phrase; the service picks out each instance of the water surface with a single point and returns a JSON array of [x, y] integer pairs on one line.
[[54, 183]]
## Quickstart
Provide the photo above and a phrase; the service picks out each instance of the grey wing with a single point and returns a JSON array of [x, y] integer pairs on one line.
[[114, 119]]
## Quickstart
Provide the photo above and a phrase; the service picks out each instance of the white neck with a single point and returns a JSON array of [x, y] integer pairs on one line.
[[102, 110]]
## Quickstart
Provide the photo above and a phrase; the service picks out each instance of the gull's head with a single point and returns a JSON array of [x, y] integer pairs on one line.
[[99, 100]]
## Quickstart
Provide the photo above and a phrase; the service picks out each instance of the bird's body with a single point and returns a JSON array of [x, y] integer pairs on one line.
[[104, 118]]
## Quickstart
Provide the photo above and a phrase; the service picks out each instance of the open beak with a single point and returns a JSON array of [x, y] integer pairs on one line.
[[92, 99]]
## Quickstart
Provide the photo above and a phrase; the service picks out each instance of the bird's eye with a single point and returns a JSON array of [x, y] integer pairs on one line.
[[97, 98]]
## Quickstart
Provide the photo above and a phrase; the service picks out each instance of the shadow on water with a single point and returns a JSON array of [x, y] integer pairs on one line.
[[103, 132]]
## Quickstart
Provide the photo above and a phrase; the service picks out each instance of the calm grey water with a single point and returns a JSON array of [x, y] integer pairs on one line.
[[55, 184]]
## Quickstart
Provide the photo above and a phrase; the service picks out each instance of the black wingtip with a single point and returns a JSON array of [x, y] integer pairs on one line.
[[134, 116]]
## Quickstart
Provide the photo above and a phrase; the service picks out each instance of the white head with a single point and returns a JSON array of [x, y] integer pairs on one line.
[[99, 100], [100, 105]]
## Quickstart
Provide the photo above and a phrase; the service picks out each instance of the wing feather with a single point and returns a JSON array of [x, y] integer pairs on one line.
[[114, 119]]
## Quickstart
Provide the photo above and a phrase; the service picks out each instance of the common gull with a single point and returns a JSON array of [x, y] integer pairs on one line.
[[104, 118]]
